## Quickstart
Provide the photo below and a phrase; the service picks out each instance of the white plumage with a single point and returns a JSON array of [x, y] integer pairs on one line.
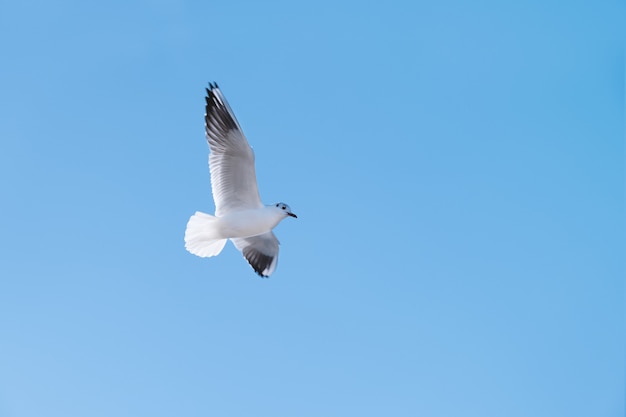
[[239, 213]]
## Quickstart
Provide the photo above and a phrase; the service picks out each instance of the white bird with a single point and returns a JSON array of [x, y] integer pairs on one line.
[[239, 214]]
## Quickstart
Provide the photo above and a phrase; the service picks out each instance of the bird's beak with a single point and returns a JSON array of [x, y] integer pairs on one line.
[[292, 215]]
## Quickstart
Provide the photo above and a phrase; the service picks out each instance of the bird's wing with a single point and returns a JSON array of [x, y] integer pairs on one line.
[[231, 160], [260, 251]]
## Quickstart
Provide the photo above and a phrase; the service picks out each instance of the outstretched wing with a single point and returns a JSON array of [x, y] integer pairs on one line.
[[260, 251], [231, 160]]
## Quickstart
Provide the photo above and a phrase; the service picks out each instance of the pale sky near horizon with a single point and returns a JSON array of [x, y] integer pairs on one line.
[[458, 174]]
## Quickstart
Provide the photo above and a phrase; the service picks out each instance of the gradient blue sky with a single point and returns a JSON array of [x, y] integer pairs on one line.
[[458, 173]]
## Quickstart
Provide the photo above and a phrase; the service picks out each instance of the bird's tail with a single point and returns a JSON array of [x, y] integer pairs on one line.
[[201, 236]]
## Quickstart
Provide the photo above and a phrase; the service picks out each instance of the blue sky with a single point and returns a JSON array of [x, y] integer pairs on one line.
[[458, 173]]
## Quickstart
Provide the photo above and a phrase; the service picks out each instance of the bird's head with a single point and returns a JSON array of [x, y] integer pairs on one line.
[[285, 209]]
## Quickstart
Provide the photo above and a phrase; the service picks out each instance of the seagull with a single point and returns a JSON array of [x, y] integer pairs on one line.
[[239, 214]]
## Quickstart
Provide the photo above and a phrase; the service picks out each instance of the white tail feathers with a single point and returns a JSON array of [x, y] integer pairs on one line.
[[202, 237]]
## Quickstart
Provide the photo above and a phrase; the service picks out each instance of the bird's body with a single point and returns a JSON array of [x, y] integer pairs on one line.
[[239, 214], [244, 223]]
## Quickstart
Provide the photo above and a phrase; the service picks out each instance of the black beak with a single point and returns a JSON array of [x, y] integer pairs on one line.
[[292, 215]]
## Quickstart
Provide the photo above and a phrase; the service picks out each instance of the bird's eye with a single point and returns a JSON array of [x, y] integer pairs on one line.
[[284, 207]]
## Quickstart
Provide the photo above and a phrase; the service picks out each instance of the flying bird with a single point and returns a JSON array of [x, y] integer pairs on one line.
[[239, 214]]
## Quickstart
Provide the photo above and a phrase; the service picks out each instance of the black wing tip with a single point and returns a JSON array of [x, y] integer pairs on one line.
[[259, 270], [209, 90], [218, 117], [258, 261]]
